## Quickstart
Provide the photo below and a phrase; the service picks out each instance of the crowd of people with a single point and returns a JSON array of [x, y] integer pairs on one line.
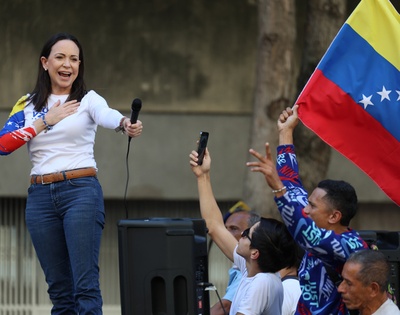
[[259, 254], [319, 225], [238, 219]]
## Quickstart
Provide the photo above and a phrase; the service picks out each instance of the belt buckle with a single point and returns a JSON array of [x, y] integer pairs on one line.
[[43, 182]]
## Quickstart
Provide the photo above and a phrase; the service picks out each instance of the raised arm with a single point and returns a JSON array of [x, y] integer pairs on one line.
[[209, 209], [287, 122]]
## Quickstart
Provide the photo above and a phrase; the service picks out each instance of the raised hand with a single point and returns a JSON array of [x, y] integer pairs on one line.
[[200, 170], [288, 119], [266, 165]]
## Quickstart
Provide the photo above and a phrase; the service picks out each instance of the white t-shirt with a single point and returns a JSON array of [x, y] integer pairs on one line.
[[258, 295], [69, 144], [387, 308], [291, 295]]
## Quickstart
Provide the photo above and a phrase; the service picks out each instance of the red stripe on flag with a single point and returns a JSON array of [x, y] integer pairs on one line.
[[343, 124]]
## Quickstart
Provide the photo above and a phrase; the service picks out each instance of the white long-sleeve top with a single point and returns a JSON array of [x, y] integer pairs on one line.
[[70, 143]]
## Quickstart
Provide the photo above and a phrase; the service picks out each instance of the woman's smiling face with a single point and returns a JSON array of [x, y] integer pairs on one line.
[[62, 66]]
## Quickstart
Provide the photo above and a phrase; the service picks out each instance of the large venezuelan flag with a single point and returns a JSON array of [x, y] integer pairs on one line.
[[352, 100]]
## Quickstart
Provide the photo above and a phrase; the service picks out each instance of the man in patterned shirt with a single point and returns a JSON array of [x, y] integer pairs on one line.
[[319, 222]]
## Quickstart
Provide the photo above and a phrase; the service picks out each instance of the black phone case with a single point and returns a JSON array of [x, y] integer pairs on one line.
[[202, 146]]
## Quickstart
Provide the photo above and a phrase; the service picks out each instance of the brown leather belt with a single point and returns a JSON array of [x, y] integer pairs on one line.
[[64, 175]]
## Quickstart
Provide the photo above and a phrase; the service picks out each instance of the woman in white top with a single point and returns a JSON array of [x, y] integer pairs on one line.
[[65, 209]]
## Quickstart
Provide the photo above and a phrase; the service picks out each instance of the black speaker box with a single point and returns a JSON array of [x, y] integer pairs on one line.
[[388, 242], [162, 262]]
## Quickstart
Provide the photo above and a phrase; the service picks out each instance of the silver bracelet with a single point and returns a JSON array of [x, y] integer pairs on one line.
[[274, 191]]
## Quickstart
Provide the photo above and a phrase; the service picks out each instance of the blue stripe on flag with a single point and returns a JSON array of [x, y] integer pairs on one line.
[[358, 69]]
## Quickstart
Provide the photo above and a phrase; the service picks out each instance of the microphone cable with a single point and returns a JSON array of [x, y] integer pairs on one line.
[[135, 109], [207, 286], [127, 178]]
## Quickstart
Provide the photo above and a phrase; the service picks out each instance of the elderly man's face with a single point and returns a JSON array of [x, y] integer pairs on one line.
[[355, 295]]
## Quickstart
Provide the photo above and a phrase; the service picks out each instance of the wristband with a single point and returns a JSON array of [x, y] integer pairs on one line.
[[46, 125], [121, 125], [274, 191]]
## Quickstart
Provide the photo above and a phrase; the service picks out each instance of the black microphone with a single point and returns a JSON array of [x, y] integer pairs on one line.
[[135, 109], [136, 106]]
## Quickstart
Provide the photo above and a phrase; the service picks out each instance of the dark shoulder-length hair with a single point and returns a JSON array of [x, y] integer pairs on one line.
[[42, 88]]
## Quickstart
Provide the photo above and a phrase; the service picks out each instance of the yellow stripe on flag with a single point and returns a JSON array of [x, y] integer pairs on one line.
[[20, 105], [378, 22]]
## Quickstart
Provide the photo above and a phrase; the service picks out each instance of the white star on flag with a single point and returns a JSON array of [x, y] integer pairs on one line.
[[366, 101], [398, 92], [384, 94]]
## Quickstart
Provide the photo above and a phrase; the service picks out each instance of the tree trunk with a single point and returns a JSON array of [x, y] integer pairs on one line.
[[275, 86], [274, 89], [323, 21]]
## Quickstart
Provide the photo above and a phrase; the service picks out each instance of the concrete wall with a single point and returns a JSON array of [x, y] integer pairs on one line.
[[178, 55]]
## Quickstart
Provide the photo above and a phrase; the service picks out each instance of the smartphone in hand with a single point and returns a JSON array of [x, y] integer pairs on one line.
[[201, 149]]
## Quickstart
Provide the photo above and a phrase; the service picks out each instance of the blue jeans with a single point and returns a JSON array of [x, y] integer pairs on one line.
[[65, 221]]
